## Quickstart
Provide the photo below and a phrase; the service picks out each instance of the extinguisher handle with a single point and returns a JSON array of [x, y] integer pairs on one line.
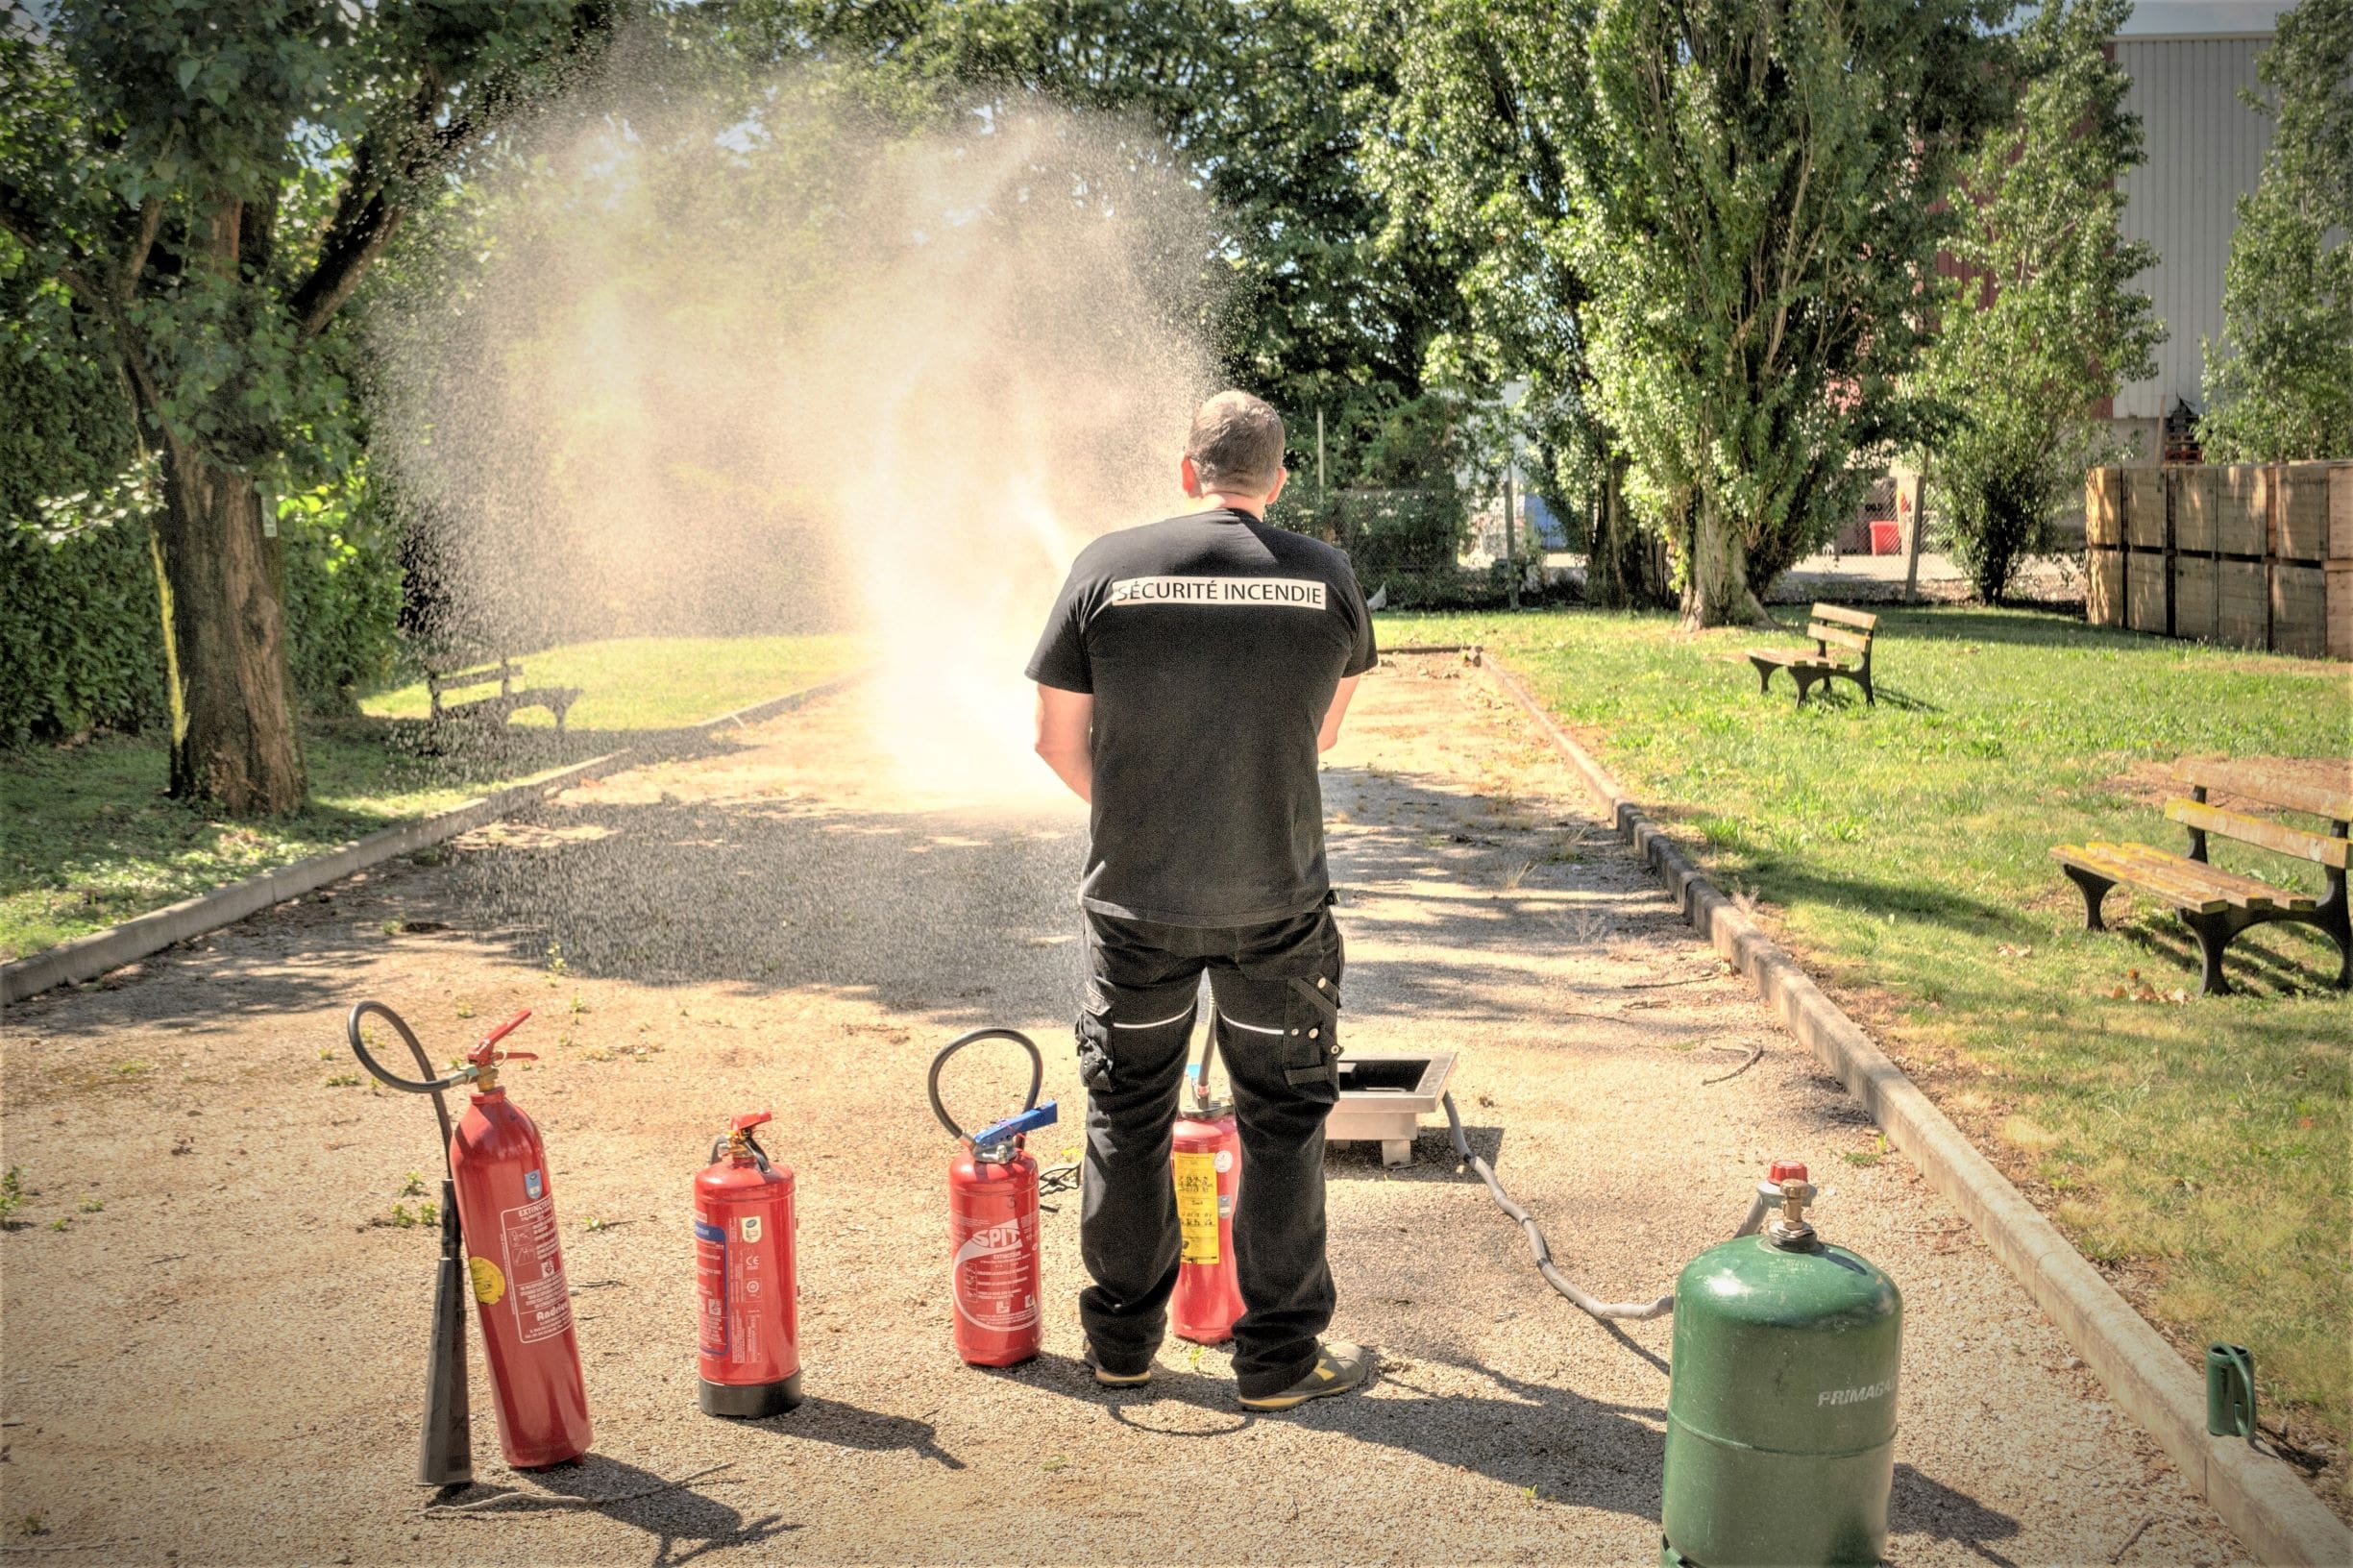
[[486, 1051]]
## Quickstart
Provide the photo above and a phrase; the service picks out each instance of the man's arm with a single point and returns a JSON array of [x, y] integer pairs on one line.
[[1328, 736], [1065, 737]]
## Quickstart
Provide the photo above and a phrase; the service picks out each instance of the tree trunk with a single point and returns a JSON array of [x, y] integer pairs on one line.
[[233, 741], [1716, 583]]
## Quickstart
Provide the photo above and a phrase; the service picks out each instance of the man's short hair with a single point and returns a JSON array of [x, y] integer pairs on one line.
[[1236, 444]]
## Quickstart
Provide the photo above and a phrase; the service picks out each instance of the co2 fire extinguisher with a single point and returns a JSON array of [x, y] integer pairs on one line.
[[505, 1205], [744, 1233], [1207, 1165], [993, 1220]]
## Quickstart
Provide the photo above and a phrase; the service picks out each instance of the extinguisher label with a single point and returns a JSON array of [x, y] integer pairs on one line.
[[1196, 1199], [535, 1271], [711, 1274], [995, 1277]]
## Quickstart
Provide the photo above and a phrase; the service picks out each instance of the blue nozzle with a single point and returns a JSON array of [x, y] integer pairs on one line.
[[1004, 1131]]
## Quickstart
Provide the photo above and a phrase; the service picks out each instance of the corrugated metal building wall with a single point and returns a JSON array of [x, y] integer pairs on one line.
[[2205, 148]]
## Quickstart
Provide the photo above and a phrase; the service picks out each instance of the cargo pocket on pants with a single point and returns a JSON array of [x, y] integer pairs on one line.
[[1092, 1033], [1312, 1029]]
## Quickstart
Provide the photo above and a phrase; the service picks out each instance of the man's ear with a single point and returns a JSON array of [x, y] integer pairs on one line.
[[1188, 476], [1282, 477]]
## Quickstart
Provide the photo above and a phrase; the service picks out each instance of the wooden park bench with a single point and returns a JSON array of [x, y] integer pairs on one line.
[[2218, 905], [494, 709], [1848, 631]]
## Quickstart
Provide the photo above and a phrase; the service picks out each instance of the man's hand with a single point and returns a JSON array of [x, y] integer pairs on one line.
[[1065, 737], [1328, 736]]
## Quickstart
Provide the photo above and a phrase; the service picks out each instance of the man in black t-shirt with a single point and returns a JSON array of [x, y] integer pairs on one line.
[[1189, 676]]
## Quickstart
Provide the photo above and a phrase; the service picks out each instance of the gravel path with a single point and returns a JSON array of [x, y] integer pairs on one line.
[[224, 1362]]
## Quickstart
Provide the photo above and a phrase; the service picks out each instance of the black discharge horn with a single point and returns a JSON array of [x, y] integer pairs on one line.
[[445, 1449]]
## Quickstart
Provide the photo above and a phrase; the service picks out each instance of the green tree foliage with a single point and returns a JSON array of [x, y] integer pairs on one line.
[[2041, 321], [208, 185], [1754, 214], [79, 640], [1261, 103], [2279, 383], [1476, 116]]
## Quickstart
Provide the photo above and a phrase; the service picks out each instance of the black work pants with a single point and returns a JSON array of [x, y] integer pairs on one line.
[[1275, 988]]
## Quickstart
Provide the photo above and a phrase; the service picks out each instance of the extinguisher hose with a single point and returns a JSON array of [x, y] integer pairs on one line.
[[428, 1085], [1037, 1070], [1536, 1245]]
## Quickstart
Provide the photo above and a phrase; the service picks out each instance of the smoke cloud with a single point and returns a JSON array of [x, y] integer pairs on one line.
[[773, 367]]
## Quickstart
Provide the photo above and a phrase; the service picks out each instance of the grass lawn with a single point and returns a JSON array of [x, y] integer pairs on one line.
[[655, 682], [2197, 1148], [88, 838]]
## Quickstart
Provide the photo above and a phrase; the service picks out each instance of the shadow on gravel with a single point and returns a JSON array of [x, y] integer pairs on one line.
[[685, 1523], [1558, 1445], [949, 919], [849, 1426], [1553, 1444], [1924, 1507], [924, 912]]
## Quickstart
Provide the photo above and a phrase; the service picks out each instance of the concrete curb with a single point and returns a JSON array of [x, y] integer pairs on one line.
[[2271, 1509], [85, 958]]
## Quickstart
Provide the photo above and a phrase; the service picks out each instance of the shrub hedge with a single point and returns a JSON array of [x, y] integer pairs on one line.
[[81, 630]]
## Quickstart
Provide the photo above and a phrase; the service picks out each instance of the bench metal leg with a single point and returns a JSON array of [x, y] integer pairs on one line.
[[2214, 933], [2094, 892], [2332, 916], [1764, 674], [1805, 684]]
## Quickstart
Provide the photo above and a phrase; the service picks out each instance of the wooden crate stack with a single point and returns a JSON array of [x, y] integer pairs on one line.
[[2250, 554], [2336, 571], [2242, 497], [2103, 537]]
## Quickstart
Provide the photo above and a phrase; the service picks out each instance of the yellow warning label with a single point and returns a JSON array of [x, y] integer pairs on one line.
[[489, 1285], [1196, 1195]]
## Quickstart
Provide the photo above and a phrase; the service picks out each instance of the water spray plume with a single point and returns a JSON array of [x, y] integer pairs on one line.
[[762, 367]]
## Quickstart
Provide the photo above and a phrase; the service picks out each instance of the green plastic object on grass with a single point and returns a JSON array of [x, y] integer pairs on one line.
[[2230, 1391], [1781, 1404]]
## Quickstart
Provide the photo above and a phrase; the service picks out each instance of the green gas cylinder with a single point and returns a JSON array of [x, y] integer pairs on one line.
[[1781, 1402]]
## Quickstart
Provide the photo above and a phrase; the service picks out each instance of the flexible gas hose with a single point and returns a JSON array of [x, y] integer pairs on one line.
[[1542, 1250]]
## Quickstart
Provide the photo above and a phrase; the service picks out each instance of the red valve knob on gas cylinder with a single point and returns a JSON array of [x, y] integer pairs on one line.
[[1786, 1171]]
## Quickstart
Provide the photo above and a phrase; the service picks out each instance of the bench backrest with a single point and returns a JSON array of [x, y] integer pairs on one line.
[[2273, 784], [2333, 851], [506, 672], [1835, 626]]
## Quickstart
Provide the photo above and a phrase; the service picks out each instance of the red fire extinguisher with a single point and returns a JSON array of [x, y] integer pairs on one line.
[[993, 1220], [1207, 1168], [498, 1216], [744, 1230], [506, 1205]]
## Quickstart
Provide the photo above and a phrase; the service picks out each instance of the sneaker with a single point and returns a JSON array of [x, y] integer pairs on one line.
[[1338, 1369], [1116, 1380]]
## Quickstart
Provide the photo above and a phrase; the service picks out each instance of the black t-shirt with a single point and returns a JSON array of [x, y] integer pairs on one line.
[[1212, 644]]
